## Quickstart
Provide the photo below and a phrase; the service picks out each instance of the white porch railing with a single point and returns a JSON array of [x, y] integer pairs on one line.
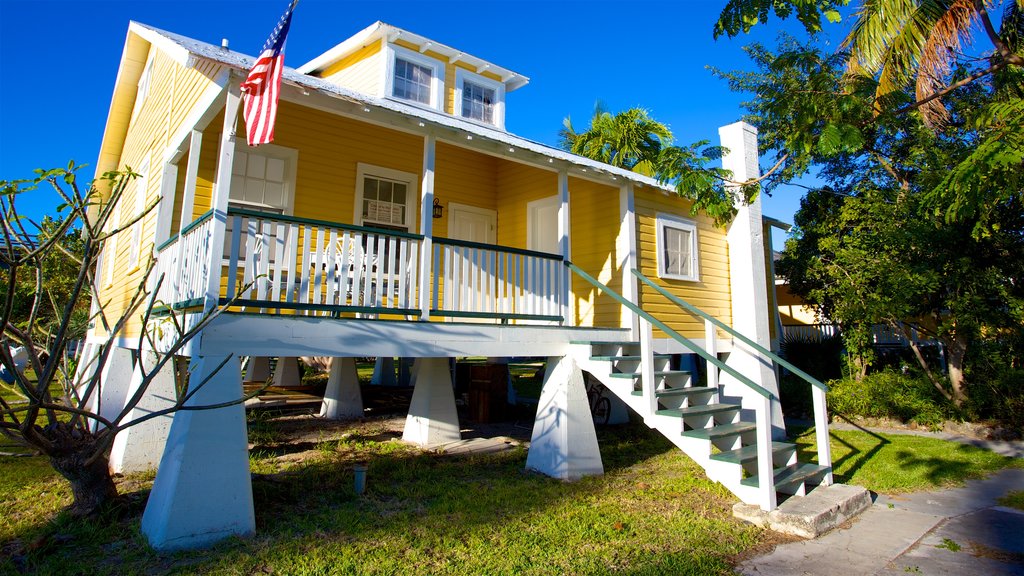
[[273, 263], [473, 280]]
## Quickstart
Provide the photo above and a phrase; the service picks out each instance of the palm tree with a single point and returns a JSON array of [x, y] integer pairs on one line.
[[630, 139]]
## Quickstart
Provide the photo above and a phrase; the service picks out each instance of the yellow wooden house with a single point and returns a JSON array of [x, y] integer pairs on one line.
[[395, 216]]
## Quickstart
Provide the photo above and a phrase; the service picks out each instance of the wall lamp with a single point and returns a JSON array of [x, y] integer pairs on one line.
[[438, 210]]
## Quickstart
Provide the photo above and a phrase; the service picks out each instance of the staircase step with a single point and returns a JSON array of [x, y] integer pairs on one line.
[[679, 391], [749, 453], [706, 410], [790, 475], [614, 358], [637, 374], [721, 431]]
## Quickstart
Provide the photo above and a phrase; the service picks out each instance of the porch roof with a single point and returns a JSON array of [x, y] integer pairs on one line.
[[188, 52]]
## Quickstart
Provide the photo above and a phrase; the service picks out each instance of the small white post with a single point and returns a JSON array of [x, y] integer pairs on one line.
[[711, 347], [648, 383], [427, 226], [821, 432], [767, 498]]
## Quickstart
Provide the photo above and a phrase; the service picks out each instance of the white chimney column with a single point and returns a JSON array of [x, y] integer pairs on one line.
[[748, 276]]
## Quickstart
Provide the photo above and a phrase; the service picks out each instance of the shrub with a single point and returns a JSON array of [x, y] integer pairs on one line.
[[889, 394], [998, 396], [820, 357]]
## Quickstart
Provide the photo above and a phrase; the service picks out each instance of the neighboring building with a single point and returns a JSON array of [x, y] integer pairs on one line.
[[395, 216]]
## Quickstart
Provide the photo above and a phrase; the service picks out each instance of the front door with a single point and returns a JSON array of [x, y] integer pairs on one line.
[[542, 225], [472, 224], [472, 275]]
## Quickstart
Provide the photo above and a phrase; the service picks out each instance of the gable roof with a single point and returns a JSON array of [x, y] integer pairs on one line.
[[374, 32], [189, 52]]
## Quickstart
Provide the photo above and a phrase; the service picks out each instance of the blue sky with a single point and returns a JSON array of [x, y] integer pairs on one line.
[[58, 62]]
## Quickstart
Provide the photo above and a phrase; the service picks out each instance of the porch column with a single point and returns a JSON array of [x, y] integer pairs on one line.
[[188, 199], [748, 278], [432, 417], [625, 248], [426, 226], [203, 492], [564, 443], [140, 447], [563, 240], [342, 399], [222, 190], [168, 179]]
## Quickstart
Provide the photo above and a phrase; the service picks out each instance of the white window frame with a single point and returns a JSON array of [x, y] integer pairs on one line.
[[412, 195], [436, 82], [669, 221], [291, 166], [141, 186], [461, 76], [145, 80], [116, 217]]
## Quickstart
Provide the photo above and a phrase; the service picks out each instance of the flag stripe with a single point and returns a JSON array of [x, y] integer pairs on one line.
[[263, 85]]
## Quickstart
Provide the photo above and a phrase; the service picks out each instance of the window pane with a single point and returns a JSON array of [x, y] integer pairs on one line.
[[677, 251], [370, 188], [274, 194], [275, 170], [399, 193], [238, 165], [385, 191], [254, 190], [237, 191], [257, 166], [412, 81], [477, 102]]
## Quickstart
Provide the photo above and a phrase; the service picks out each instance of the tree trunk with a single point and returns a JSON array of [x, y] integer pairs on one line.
[[91, 483], [956, 351]]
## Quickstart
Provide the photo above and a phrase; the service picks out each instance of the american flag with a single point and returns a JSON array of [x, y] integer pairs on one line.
[[263, 85]]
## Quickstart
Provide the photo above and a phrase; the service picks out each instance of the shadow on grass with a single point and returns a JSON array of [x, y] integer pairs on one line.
[[422, 503]]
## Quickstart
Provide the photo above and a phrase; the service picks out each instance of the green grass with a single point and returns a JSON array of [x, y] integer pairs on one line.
[[653, 512], [1014, 499], [902, 463]]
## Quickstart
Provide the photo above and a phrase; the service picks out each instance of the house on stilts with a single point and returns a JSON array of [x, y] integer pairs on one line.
[[394, 216]]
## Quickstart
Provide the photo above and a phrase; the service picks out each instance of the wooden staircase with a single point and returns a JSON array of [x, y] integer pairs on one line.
[[695, 419]]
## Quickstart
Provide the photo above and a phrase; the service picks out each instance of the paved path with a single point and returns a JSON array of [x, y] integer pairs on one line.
[[959, 531]]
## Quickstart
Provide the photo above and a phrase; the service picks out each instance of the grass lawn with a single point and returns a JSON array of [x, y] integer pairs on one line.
[[653, 512], [902, 463]]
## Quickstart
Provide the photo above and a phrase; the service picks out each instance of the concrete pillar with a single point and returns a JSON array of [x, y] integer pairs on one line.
[[748, 278], [140, 447], [115, 379], [384, 372], [286, 374], [258, 370], [342, 399], [564, 443], [202, 492], [432, 417]]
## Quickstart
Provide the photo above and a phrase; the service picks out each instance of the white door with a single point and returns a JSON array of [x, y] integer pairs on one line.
[[542, 225], [472, 224]]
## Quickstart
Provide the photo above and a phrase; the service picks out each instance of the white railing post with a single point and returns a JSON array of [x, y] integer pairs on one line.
[[711, 345], [648, 383], [222, 189], [427, 226], [821, 432], [563, 237], [767, 498]]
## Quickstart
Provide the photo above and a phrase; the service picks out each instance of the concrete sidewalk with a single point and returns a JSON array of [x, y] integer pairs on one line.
[[959, 531]]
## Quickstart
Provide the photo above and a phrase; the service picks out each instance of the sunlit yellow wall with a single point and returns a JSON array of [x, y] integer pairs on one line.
[[711, 293], [593, 226], [464, 177], [173, 93], [519, 184], [361, 70]]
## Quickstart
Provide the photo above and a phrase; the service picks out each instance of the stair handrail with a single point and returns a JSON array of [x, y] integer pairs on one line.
[[733, 332], [672, 333], [817, 396]]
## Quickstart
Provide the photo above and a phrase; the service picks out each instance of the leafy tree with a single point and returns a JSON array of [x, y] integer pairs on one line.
[[55, 413]]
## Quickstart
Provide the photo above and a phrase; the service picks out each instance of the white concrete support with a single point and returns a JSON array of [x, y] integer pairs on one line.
[[115, 381], [432, 417], [748, 278], [384, 372], [564, 443], [342, 399], [222, 191], [564, 246], [258, 369], [286, 374], [139, 448], [427, 226], [625, 250], [202, 492]]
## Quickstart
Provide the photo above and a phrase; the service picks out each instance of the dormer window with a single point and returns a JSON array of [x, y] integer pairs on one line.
[[479, 98], [415, 78]]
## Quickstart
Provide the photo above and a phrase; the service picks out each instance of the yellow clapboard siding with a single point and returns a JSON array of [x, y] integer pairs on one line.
[[593, 226], [465, 177], [362, 70], [711, 293]]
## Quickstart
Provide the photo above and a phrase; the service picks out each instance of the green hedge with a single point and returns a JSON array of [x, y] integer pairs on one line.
[[890, 394]]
